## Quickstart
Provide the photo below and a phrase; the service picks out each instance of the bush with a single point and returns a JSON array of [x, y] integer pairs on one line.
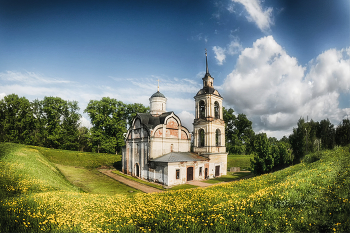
[[310, 158]]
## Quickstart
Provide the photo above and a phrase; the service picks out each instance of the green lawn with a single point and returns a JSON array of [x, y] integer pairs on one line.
[[231, 176], [313, 196], [94, 182], [242, 161], [24, 170], [182, 186], [77, 158]]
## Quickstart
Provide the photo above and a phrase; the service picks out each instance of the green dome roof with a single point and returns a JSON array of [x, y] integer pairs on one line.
[[157, 94]]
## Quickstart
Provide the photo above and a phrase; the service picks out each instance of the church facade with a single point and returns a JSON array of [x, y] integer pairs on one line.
[[158, 146]]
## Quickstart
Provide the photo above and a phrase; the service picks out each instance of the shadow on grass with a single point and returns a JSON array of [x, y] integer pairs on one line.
[[227, 178], [182, 186], [118, 165]]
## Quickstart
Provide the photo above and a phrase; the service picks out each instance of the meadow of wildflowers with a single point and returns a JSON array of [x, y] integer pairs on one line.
[[35, 197]]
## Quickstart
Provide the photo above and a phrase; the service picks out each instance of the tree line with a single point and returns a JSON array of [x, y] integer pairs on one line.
[[55, 123], [271, 154]]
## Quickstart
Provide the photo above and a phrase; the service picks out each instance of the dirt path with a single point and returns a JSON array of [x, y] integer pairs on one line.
[[134, 184], [148, 189]]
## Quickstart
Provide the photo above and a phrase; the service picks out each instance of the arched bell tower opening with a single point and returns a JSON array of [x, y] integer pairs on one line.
[[218, 137], [217, 110], [201, 138], [202, 109]]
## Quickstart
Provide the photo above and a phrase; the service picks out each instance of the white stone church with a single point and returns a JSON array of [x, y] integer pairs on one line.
[[158, 146]]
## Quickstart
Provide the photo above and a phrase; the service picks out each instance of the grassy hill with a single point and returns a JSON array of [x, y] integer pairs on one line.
[[242, 161], [311, 196]]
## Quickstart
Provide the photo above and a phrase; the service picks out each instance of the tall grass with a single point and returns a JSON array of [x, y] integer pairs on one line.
[[312, 196]]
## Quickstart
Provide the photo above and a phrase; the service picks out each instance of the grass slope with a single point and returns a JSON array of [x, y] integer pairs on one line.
[[77, 158], [242, 161], [24, 170], [94, 182], [305, 197]]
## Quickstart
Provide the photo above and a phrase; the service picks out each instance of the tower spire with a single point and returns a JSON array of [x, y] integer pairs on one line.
[[158, 84], [206, 61]]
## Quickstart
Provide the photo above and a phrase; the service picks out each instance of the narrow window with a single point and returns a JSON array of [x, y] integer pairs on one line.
[[172, 147], [177, 174], [217, 110], [201, 109], [218, 137], [201, 138], [200, 171]]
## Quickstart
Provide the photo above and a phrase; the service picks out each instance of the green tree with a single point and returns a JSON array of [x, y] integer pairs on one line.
[[132, 110], [70, 121], [230, 135], [326, 133], [244, 131], [298, 140], [16, 119], [52, 108], [108, 119], [60, 119], [342, 134], [239, 132], [263, 160], [312, 139], [84, 139], [39, 122], [282, 155]]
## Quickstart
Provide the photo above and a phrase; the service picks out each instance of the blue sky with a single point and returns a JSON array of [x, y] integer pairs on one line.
[[275, 61]]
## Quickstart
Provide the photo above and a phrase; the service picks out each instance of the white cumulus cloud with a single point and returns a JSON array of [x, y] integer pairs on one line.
[[275, 91], [234, 47], [219, 54], [231, 49], [186, 119], [85, 122], [261, 17]]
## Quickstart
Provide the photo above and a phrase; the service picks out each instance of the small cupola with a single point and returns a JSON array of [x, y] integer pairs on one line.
[[157, 103]]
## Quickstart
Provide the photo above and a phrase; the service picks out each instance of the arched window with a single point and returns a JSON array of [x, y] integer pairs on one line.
[[201, 109], [217, 110], [201, 138], [218, 137]]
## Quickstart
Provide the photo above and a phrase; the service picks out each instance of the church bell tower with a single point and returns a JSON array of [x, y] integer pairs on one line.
[[209, 126]]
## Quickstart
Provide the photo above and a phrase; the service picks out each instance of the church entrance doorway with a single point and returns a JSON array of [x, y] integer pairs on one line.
[[217, 170], [206, 173], [189, 173], [137, 170]]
